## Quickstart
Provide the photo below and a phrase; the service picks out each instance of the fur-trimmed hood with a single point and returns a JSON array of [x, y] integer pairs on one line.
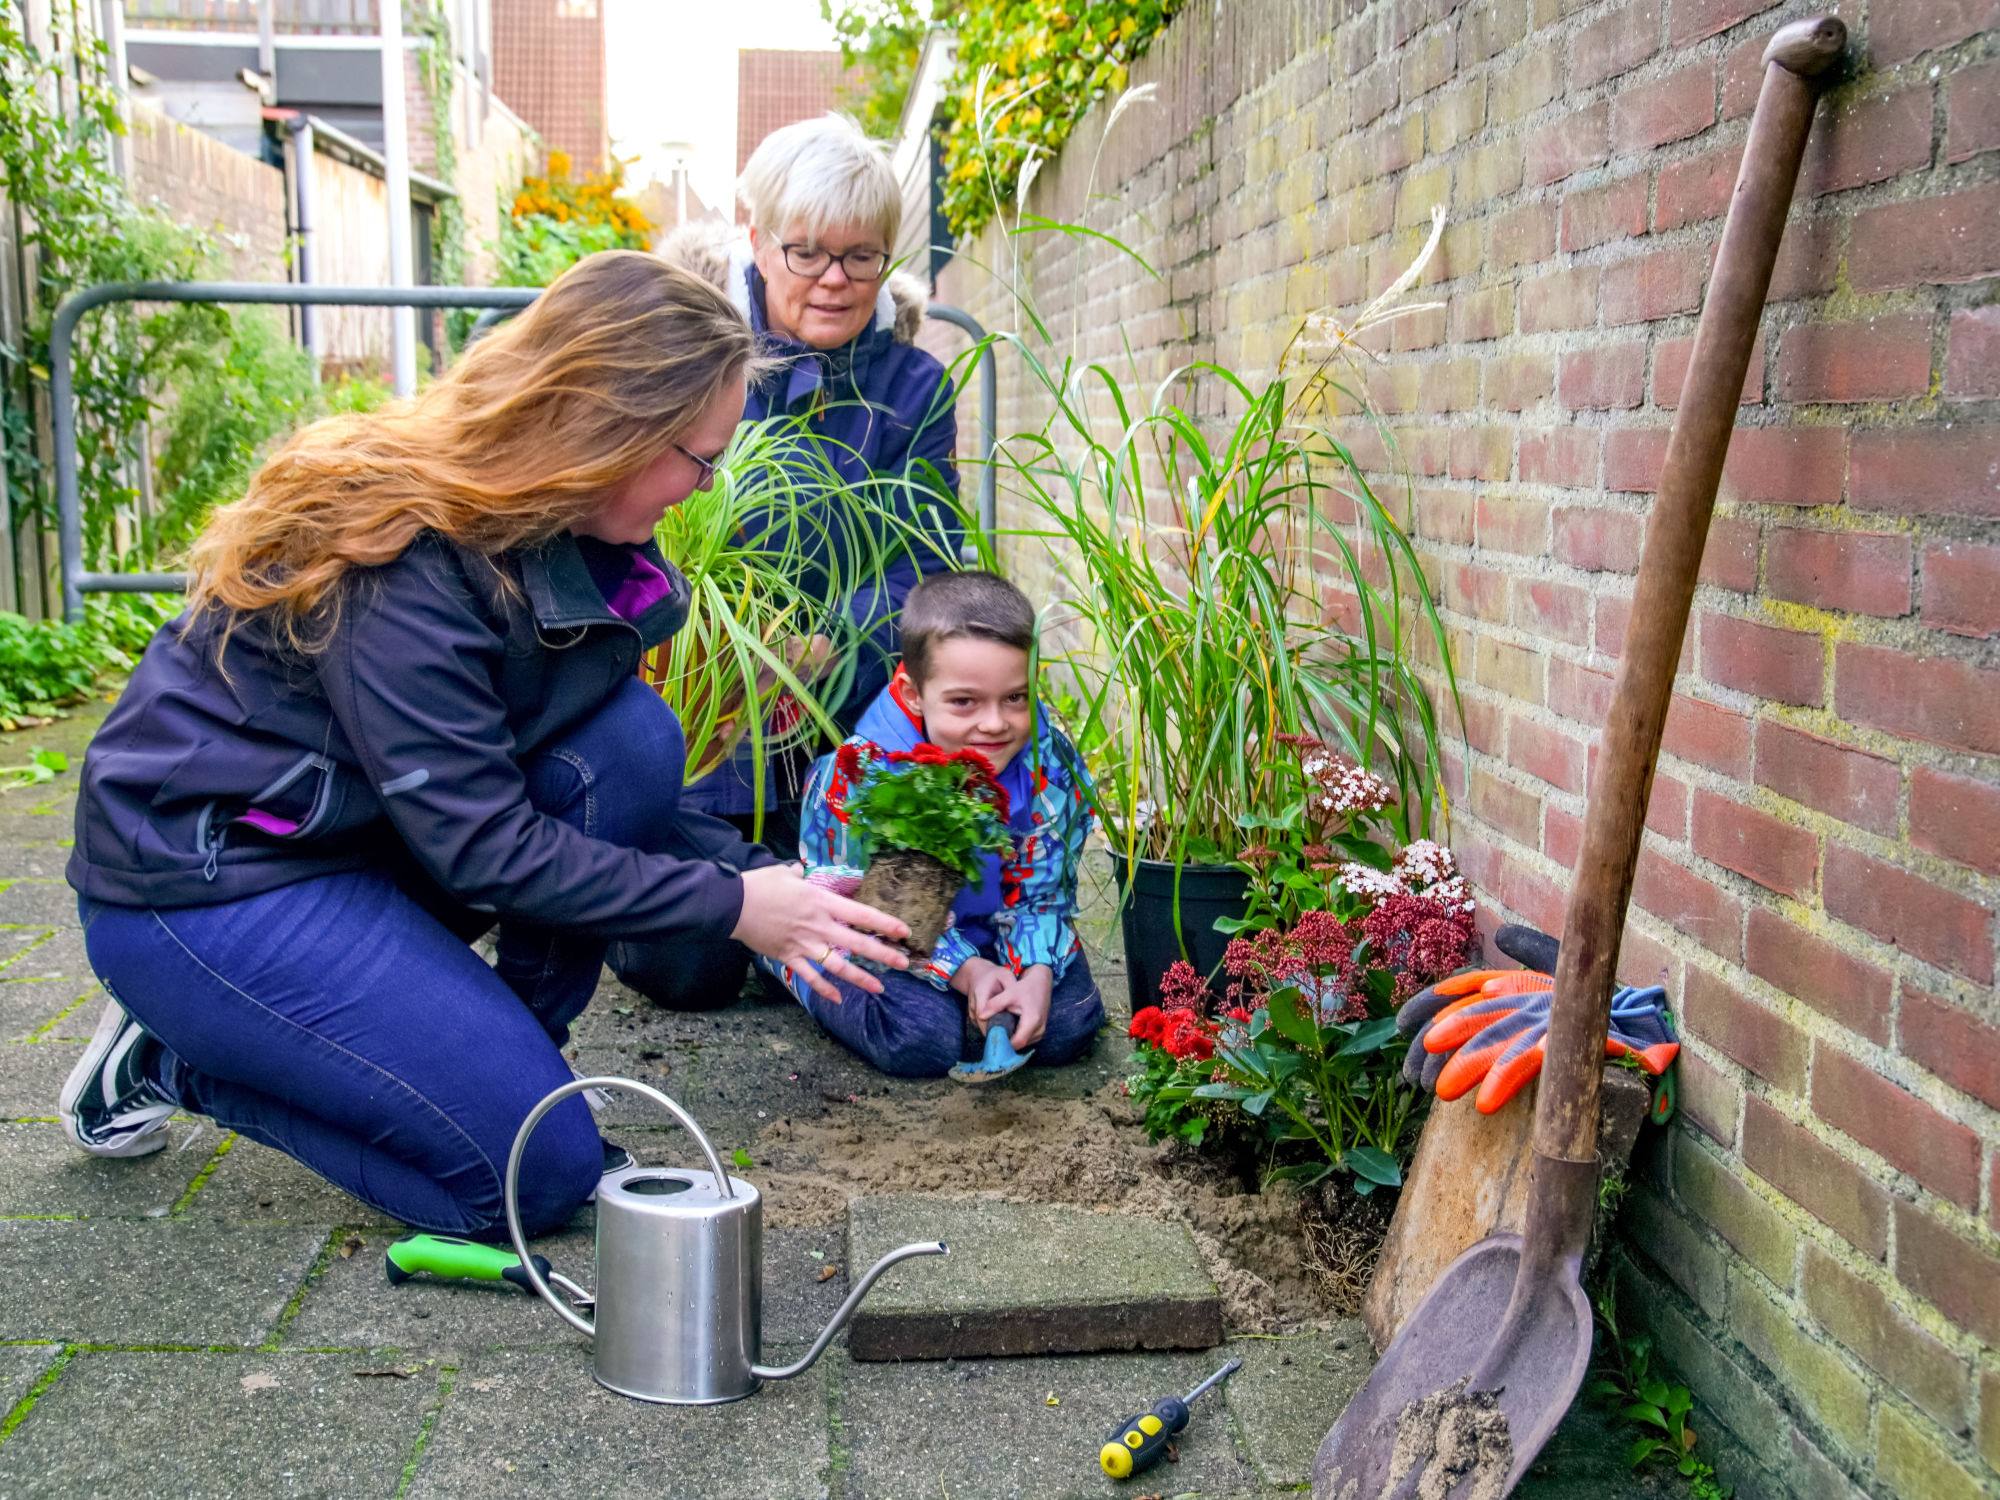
[[720, 254]]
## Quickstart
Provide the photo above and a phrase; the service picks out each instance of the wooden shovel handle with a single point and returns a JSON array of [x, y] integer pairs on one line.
[[1566, 1116]]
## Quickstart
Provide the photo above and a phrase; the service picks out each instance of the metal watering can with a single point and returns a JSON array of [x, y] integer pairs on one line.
[[680, 1272]]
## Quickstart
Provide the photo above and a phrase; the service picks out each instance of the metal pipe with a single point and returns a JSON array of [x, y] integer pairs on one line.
[[396, 173], [989, 419], [303, 149], [1676, 531], [62, 391]]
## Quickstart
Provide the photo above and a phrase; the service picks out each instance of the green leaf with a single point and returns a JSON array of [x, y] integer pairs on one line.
[[1220, 1091], [1642, 1450], [742, 1159], [1370, 1036], [1641, 1411], [1374, 1165], [1290, 1016]]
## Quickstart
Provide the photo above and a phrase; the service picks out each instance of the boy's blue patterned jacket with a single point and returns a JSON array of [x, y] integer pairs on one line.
[[1022, 911]]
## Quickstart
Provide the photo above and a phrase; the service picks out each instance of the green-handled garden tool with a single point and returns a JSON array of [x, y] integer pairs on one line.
[[466, 1260]]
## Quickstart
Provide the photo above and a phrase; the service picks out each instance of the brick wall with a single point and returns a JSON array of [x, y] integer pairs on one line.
[[212, 187], [775, 88], [548, 64], [1817, 1243]]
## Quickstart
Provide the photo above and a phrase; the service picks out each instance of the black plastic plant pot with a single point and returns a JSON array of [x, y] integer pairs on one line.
[[1151, 942]]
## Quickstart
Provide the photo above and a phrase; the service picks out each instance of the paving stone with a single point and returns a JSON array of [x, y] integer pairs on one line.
[[349, 1304], [797, 1304], [1026, 1278], [27, 1006], [537, 1424], [1289, 1393], [38, 903], [21, 1365], [985, 1429], [31, 1077], [37, 858], [107, 1281], [255, 1185], [59, 955], [216, 1427], [42, 1174], [14, 941]]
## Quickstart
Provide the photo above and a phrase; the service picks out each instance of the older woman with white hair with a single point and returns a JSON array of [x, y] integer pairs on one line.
[[813, 277]]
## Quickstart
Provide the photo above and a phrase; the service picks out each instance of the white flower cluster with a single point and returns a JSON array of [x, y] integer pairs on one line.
[[1428, 869], [1364, 880], [1340, 788]]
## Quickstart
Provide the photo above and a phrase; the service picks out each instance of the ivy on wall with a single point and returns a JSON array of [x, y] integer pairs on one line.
[[438, 72], [1027, 71]]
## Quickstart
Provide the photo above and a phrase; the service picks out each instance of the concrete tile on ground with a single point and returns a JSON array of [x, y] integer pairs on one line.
[[37, 857], [14, 941], [985, 1430], [254, 1184], [59, 955], [105, 1281], [38, 903], [538, 1424], [28, 1005], [31, 1077], [351, 1305], [21, 1365], [216, 1427], [797, 1304], [1289, 1393], [41, 1173]]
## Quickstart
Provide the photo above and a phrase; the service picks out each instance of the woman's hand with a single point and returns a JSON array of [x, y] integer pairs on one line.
[[789, 919]]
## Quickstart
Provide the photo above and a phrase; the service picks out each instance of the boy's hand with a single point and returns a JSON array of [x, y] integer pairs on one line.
[[802, 925], [1028, 997], [981, 981]]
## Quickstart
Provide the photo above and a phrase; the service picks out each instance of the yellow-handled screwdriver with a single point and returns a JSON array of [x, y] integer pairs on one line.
[[1140, 1442]]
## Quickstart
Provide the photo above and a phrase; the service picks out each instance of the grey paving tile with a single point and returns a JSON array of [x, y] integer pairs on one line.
[[797, 1303], [351, 1305], [58, 954], [28, 1006], [986, 1429], [14, 941], [1289, 1393], [537, 1424], [216, 1427], [41, 1173], [38, 903], [21, 1365], [254, 1184], [37, 857], [31, 1077], [109, 1281]]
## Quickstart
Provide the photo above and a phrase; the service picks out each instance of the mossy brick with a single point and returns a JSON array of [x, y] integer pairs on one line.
[[1026, 1278], [1817, 1378], [1861, 1316], [1816, 1177], [1756, 1230], [1678, 1248], [216, 1427], [1989, 1417], [1910, 1461], [520, 1423]]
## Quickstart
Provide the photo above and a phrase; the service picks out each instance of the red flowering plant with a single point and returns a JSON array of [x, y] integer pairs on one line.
[[945, 805], [1305, 1040]]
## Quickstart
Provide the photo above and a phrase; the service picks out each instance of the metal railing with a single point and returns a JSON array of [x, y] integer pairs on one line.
[[76, 582], [62, 397]]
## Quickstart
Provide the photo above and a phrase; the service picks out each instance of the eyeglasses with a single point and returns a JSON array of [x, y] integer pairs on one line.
[[707, 467], [811, 261]]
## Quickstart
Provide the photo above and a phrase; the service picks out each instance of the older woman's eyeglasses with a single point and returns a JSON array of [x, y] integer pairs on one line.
[[811, 261], [707, 467]]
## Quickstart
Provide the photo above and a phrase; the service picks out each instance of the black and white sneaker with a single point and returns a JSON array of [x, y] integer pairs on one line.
[[109, 1106]]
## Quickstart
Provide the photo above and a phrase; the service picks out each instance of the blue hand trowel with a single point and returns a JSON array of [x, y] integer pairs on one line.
[[1000, 1059]]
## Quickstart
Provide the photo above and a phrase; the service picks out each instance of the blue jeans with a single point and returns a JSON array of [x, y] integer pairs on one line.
[[345, 1022], [913, 1029]]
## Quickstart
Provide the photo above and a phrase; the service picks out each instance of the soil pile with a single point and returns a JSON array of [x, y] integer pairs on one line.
[[1460, 1438], [1089, 1152]]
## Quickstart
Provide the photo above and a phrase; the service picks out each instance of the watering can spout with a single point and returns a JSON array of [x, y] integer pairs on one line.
[[906, 1252]]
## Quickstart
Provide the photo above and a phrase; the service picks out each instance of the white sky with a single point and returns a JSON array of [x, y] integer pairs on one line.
[[671, 76]]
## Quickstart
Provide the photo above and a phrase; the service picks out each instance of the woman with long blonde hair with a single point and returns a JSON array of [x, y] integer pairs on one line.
[[402, 706]]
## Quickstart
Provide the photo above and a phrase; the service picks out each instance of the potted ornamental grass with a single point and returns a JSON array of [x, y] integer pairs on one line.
[[924, 821]]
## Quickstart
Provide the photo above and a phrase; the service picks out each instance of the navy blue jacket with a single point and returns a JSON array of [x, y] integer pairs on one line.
[[215, 779]]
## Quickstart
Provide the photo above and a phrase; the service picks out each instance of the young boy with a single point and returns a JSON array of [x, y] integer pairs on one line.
[[1009, 956]]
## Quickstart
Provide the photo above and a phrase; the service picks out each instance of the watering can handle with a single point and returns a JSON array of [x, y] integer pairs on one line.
[[534, 1275]]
